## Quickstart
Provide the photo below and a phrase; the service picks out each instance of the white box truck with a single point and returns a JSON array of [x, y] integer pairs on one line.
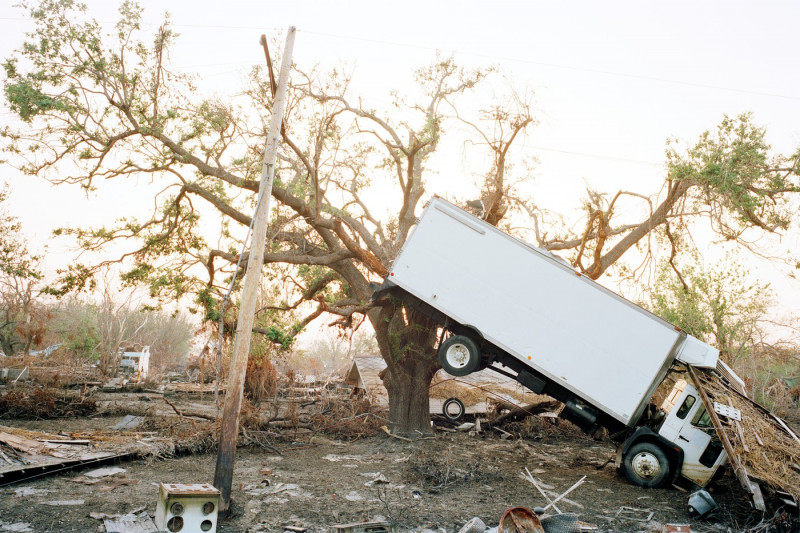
[[519, 310]]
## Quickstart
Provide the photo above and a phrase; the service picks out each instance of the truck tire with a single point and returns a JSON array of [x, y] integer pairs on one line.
[[459, 355], [646, 465], [453, 409]]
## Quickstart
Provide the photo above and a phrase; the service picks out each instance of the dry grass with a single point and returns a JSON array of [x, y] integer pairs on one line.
[[348, 418], [441, 470], [261, 380], [33, 402]]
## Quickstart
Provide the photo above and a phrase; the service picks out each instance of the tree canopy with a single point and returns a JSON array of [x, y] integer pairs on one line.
[[20, 316], [99, 107], [721, 305]]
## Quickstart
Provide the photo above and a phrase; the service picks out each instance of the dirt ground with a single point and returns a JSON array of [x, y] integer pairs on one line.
[[431, 485]]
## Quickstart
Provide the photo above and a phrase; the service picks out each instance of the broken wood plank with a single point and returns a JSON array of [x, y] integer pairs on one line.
[[740, 431], [22, 444], [738, 467]]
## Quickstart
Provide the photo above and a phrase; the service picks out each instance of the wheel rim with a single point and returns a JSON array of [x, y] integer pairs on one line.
[[458, 356], [453, 410], [645, 465]]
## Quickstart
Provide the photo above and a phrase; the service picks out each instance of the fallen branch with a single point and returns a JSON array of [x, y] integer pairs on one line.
[[516, 412], [173, 406], [386, 430]]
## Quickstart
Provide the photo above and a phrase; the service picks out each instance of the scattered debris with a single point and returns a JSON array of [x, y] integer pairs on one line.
[[701, 503], [336, 458], [380, 479], [552, 502], [19, 527], [632, 513], [24, 492], [292, 490], [14, 374], [34, 402], [677, 528], [386, 430], [193, 506], [475, 525], [57, 503], [362, 527], [565, 523], [765, 451], [129, 422], [573, 487], [353, 496], [528, 476], [104, 472], [520, 520], [46, 454], [135, 522]]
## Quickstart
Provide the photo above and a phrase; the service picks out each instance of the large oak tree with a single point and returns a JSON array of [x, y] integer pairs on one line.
[[108, 107]]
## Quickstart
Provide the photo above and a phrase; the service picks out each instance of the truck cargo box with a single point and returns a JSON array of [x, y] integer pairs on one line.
[[537, 308]]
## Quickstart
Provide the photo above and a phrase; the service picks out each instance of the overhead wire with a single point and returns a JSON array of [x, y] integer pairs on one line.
[[481, 55], [476, 54], [561, 66]]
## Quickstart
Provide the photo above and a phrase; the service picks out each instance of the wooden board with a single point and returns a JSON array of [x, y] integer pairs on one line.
[[761, 448]]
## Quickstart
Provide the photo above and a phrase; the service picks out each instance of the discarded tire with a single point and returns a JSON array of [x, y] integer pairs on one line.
[[453, 409]]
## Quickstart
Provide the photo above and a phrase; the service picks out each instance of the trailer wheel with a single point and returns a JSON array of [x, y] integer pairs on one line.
[[646, 465], [453, 409], [459, 355]]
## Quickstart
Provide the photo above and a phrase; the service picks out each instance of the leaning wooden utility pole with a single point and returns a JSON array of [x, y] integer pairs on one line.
[[223, 475]]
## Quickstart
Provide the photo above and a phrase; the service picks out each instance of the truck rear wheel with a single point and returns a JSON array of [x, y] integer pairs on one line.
[[646, 465], [459, 355]]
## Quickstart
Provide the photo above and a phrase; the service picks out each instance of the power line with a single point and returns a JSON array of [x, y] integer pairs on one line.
[[594, 156], [565, 67], [486, 56]]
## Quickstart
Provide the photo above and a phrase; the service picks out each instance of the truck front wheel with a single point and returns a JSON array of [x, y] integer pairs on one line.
[[646, 465], [459, 355]]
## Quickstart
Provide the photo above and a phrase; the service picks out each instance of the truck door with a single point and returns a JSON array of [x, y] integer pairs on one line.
[[689, 427]]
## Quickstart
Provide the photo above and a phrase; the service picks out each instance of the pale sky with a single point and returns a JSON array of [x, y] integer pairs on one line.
[[613, 80]]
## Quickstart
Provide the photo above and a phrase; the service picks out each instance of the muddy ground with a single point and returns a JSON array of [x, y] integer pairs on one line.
[[431, 485]]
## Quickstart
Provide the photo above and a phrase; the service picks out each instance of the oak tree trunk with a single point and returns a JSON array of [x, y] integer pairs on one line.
[[407, 341]]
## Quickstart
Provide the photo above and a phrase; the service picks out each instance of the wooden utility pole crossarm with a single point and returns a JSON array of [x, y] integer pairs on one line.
[[223, 475]]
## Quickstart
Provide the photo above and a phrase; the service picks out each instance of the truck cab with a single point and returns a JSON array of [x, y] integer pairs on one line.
[[684, 443]]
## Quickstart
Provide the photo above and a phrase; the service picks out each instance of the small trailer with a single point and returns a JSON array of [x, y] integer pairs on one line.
[[136, 365], [506, 305]]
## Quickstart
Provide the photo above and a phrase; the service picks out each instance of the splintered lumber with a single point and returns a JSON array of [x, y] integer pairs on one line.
[[22, 444], [517, 412], [760, 448]]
